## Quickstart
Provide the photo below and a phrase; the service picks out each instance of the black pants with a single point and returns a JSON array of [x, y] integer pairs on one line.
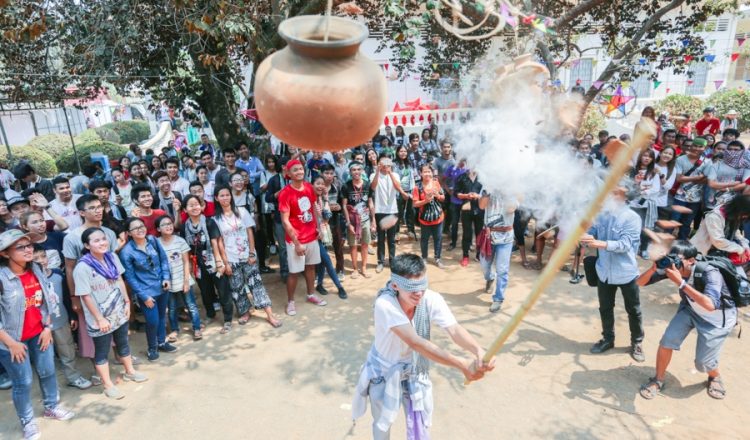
[[434, 231], [391, 236], [406, 213], [455, 216], [472, 224], [225, 297], [259, 236], [208, 292], [337, 231], [520, 222], [630, 293]]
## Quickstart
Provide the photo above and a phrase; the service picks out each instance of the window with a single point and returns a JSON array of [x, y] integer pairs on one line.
[[583, 71], [642, 85], [699, 75], [741, 69]]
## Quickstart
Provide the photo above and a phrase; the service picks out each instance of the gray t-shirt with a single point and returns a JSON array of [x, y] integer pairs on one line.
[[723, 173], [690, 192], [442, 164], [497, 215], [105, 293], [56, 295], [174, 250], [73, 246]]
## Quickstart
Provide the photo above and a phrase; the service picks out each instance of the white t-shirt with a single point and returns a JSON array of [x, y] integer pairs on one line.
[[663, 198], [6, 178], [105, 293], [389, 314], [174, 250], [68, 211], [180, 185], [233, 231], [385, 194]]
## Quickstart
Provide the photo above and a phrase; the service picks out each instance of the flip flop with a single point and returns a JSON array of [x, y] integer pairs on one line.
[[275, 324]]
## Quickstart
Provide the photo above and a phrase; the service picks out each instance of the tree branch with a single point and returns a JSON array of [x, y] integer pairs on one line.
[[577, 11]]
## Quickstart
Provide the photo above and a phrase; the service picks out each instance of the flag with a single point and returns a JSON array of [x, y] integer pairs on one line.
[[598, 84], [657, 84], [688, 58], [386, 66], [735, 56], [685, 42], [511, 20], [710, 58], [718, 83], [594, 62], [642, 61], [740, 40], [625, 84], [668, 89], [690, 82], [456, 64], [434, 66]]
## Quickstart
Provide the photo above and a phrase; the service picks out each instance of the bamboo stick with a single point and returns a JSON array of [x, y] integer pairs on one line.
[[645, 131]]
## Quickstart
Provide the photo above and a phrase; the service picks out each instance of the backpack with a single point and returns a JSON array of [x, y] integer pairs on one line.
[[736, 280]]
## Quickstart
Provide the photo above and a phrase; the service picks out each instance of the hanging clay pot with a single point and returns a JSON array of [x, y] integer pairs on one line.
[[321, 95]]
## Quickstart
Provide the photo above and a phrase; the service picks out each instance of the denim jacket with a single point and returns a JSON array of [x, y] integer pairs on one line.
[[145, 272], [13, 302], [621, 229]]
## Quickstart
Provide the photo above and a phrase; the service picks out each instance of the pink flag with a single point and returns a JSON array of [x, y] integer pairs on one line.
[[598, 84], [740, 41], [718, 83]]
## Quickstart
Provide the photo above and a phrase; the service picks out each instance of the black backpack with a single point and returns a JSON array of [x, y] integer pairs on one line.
[[736, 280]]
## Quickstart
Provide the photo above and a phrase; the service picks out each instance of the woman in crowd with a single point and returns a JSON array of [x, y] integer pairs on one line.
[[266, 209], [156, 165], [26, 306], [324, 214], [386, 147], [405, 170], [665, 169], [400, 138], [124, 165], [231, 232], [427, 144], [203, 264], [181, 282], [428, 197], [371, 163], [469, 190], [147, 274], [106, 307], [208, 185], [648, 186]]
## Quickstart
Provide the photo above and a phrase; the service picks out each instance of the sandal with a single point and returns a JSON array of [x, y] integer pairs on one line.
[[355, 275], [652, 388], [197, 335], [365, 274], [275, 323], [526, 265], [226, 328], [244, 319], [716, 388], [172, 337]]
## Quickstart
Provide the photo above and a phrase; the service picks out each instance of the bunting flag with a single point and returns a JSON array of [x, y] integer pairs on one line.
[[539, 25], [625, 84], [434, 66], [456, 65], [690, 82], [642, 61], [386, 66], [685, 42], [511, 20], [740, 40], [594, 62], [688, 58], [668, 90], [710, 58], [657, 84], [718, 83], [575, 63], [598, 84], [735, 56]]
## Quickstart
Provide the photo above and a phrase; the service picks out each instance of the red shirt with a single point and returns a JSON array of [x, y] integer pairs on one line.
[[32, 320], [208, 211], [150, 220], [420, 195], [704, 126], [299, 204]]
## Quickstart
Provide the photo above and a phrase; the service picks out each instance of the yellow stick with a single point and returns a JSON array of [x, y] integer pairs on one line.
[[645, 131]]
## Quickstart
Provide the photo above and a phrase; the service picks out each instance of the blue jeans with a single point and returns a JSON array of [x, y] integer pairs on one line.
[[326, 265], [192, 306], [156, 320], [501, 256], [103, 343], [434, 231], [21, 375], [685, 219]]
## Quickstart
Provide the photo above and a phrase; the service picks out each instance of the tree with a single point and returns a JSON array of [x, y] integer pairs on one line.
[[676, 104], [739, 100]]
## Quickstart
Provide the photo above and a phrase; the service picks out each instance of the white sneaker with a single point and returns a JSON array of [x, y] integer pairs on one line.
[[290, 310]]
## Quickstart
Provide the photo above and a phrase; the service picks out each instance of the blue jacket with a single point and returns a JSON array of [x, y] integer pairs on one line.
[[145, 271], [621, 229]]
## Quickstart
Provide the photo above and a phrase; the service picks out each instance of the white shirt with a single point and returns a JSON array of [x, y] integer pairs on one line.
[[180, 185], [663, 198], [388, 314], [68, 211], [385, 194]]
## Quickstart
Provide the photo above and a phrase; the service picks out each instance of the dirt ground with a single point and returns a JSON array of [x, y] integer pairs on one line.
[[296, 382]]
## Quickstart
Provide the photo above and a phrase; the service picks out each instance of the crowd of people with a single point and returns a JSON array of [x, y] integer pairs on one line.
[[84, 261]]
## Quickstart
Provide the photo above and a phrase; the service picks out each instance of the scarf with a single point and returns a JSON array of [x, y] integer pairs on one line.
[[193, 238], [355, 221], [108, 270], [737, 159]]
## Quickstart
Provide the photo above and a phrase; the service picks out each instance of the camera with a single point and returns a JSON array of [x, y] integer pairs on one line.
[[668, 260]]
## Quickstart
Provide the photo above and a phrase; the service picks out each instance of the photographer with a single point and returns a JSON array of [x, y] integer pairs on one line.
[[711, 313]]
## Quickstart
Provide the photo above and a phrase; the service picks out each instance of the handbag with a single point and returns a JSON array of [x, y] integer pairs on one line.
[[326, 236], [431, 211], [589, 268]]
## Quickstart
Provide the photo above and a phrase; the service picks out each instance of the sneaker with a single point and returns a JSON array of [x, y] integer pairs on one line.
[[152, 355], [439, 264], [315, 300], [31, 431], [321, 290], [272, 249], [81, 383], [136, 377], [113, 393], [451, 247], [290, 310], [5, 382], [575, 279], [167, 348], [488, 286], [96, 380], [496, 306], [342, 293], [602, 346], [464, 261], [379, 268], [58, 413], [266, 269], [340, 275], [636, 352]]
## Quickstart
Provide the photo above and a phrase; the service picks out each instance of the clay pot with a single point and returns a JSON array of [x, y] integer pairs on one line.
[[319, 95]]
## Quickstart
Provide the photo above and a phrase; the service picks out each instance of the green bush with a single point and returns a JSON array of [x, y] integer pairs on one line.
[[678, 104], [67, 162], [130, 132], [53, 144], [87, 136], [593, 121], [107, 134], [732, 99], [42, 162]]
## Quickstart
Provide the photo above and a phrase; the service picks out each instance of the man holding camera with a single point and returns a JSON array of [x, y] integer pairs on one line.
[[616, 236], [711, 312]]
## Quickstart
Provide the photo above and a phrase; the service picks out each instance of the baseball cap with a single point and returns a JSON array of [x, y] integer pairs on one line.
[[9, 237], [16, 200]]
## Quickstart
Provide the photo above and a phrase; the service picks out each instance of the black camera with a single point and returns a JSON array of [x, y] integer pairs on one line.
[[668, 260]]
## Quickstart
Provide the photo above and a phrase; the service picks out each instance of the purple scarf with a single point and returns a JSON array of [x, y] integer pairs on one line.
[[108, 270], [737, 159]]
